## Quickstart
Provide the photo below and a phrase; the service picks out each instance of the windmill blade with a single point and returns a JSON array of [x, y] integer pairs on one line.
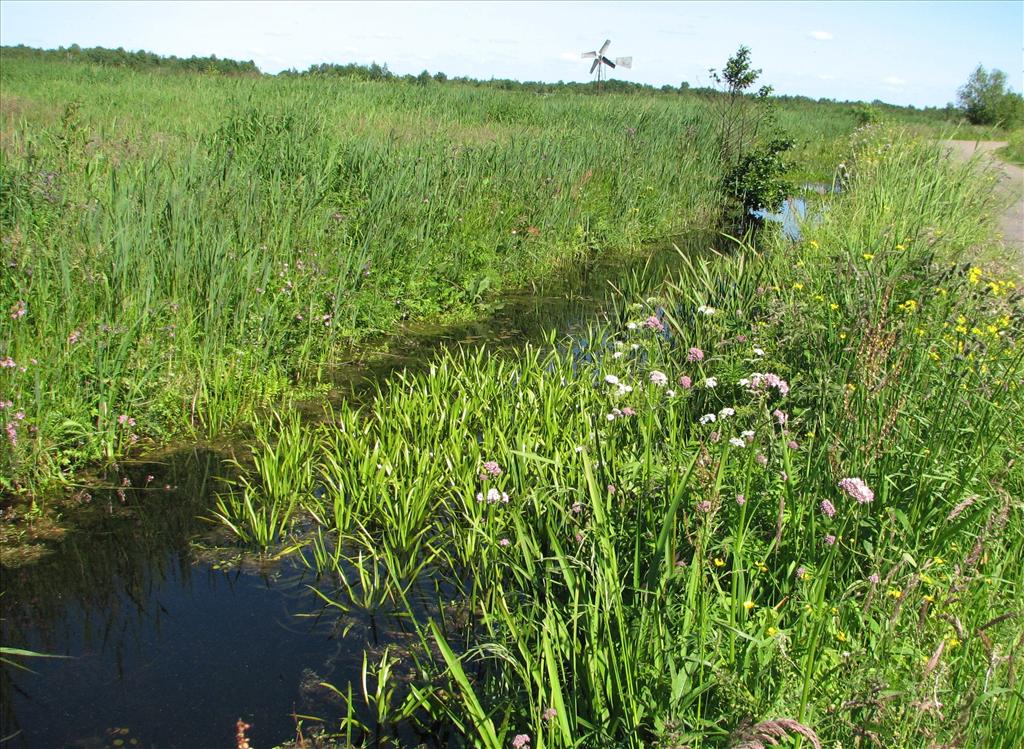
[[594, 66], [588, 55], [608, 62], [625, 62], [604, 47]]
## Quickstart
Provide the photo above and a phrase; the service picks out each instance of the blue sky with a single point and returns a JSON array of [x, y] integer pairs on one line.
[[902, 52]]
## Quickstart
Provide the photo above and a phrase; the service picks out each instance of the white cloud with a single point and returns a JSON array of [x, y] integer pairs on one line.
[[894, 80], [826, 77], [570, 56], [821, 36]]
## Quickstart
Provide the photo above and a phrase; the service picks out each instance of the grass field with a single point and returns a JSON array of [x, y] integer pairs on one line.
[[777, 501], [181, 250], [781, 499]]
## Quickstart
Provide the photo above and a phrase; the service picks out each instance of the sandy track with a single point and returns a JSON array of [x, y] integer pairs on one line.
[[1011, 223]]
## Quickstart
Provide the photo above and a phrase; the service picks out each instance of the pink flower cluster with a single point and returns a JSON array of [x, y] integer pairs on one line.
[[856, 489], [521, 741], [768, 380], [491, 469], [7, 363], [19, 309], [653, 323], [694, 354]]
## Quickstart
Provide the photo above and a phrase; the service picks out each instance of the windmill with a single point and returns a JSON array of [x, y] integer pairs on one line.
[[600, 61]]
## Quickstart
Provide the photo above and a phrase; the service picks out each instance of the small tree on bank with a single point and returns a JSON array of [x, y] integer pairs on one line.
[[986, 99]]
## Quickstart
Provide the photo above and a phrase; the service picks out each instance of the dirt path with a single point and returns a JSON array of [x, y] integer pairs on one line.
[[1011, 223]]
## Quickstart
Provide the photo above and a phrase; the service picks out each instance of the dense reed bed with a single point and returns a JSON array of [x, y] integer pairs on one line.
[[779, 502], [181, 251]]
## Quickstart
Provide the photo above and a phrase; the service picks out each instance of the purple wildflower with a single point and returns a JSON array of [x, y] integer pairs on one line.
[[741, 500], [704, 505], [792, 445], [801, 572], [627, 411], [874, 579], [659, 378], [857, 489], [769, 380], [830, 539], [780, 416], [762, 459], [685, 382], [521, 741], [653, 323], [7, 363], [19, 309], [828, 508], [490, 469], [12, 433], [74, 337], [694, 354], [504, 542], [549, 714]]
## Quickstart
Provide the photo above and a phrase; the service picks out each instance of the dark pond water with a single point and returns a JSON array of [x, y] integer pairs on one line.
[[166, 646]]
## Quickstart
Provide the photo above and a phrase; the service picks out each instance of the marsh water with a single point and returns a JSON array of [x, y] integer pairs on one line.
[[166, 642]]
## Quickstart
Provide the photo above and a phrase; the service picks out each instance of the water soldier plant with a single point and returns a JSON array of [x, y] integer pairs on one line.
[[777, 502]]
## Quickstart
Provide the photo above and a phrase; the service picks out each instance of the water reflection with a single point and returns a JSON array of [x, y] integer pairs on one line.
[[168, 647]]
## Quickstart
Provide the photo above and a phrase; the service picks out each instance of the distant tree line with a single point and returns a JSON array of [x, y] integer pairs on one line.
[[122, 58], [985, 99]]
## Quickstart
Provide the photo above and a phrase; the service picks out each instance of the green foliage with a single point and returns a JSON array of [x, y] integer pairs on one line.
[[191, 249], [750, 142], [140, 60], [986, 99], [604, 567], [758, 181], [1013, 151]]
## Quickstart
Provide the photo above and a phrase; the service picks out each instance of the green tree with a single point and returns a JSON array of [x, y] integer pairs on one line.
[[987, 100]]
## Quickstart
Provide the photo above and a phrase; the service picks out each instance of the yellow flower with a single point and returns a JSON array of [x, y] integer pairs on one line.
[[772, 631], [895, 593], [841, 636], [900, 247], [761, 567], [909, 306], [798, 286], [748, 605], [719, 562], [842, 336], [940, 291], [813, 245], [930, 598], [868, 256], [938, 561], [833, 306], [953, 642], [974, 275]]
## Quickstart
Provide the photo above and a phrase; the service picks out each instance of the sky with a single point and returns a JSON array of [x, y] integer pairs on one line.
[[915, 53]]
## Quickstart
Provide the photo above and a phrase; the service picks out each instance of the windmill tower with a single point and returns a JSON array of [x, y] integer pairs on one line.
[[601, 62]]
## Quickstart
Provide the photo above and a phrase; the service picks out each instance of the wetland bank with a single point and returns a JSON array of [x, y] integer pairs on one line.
[[768, 491]]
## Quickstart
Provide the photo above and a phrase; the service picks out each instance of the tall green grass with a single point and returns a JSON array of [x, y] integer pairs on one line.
[[182, 251], [654, 543]]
